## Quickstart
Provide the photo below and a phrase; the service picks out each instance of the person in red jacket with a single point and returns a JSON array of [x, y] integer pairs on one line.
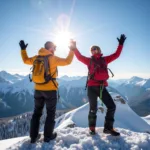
[[97, 83]]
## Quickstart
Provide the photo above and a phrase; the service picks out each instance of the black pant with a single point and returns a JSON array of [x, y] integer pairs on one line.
[[50, 99], [93, 93]]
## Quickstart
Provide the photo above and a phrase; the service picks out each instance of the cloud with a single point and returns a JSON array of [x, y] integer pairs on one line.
[[129, 75]]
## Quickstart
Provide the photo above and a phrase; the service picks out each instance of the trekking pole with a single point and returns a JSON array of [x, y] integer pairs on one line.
[[101, 93], [86, 82]]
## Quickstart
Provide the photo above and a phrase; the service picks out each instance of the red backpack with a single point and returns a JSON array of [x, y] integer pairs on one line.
[[98, 70]]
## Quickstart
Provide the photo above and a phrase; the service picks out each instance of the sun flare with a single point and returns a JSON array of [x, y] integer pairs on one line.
[[62, 38]]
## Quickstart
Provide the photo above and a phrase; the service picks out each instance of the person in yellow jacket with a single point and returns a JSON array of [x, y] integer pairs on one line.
[[46, 93]]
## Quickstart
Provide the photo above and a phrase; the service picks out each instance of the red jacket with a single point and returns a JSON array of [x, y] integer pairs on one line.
[[108, 59]]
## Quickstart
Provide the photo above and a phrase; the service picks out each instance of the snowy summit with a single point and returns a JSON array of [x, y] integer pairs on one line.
[[73, 132]]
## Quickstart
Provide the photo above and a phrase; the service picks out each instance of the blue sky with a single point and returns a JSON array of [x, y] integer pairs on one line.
[[90, 21]]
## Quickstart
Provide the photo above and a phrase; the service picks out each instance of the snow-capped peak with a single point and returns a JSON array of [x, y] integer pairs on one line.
[[124, 118], [67, 78], [135, 79], [2, 80], [73, 133], [10, 77]]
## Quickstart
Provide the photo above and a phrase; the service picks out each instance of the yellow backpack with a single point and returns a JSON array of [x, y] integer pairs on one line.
[[41, 71]]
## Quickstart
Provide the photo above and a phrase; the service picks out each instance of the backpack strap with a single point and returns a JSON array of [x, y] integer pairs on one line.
[[52, 79], [91, 76], [47, 66], [88, 74], [108, 68]]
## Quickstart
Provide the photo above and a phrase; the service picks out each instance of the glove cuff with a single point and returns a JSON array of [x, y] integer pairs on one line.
[[23, 49], [121, 43]]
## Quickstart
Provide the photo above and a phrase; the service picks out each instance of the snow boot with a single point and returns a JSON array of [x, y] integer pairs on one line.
[[52, 137], [36, 139], [112, 131], [92, 121], [92, 130]]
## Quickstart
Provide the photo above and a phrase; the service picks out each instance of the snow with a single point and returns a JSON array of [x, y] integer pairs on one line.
[[20, 85], [73, 133], [144, 83], [4, 104], [148, 89], [136, 81], [124, 118], [141, 83], [79, 139], [68, 88], [67, 78], [23, 85], [147, 119], [5, 144]]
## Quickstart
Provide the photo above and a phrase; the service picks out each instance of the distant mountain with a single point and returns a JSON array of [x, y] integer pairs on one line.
[[11, 78], [116, 83], [17, 97], [19, 76], [67, 78], [4, 84], [138, 92], [3, 81], [144, 83], [134, 80]]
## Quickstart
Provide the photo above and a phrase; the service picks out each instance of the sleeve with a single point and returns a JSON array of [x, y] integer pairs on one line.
[[82, 58], [64, 61], [26, 59], [114, 56]]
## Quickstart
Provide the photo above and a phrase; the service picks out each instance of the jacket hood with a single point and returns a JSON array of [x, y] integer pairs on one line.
[[44, 52]]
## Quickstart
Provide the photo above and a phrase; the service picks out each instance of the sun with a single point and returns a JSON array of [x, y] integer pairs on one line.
[[62, 38]]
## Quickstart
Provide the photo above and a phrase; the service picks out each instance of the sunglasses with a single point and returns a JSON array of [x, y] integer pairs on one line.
[[94, 49], [53, 47]]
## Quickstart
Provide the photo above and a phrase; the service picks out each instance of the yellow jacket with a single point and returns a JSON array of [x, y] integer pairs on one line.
[[54, 62]]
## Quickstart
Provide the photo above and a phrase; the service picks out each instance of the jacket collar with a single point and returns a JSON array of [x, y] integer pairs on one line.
[[44, 52], [96, 56]]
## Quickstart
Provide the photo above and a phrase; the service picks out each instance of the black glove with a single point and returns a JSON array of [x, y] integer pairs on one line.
[[72, 45], [23, 46], [122, 39]]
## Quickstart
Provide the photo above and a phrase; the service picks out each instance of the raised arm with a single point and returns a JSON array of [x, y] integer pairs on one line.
[[24, 55], [26, 59], [115, 55], [64, 61], [82, 58]]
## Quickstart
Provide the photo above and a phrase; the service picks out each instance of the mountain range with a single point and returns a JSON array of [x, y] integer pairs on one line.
[[16, 93]]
